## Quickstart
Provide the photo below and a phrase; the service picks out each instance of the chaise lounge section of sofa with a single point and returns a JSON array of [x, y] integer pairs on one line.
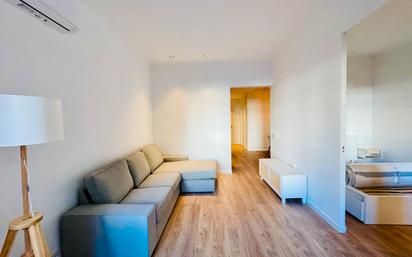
[[124, 207]]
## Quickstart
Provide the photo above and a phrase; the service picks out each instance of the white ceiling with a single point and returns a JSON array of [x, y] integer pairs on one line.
[[227, 30], [389, 26]]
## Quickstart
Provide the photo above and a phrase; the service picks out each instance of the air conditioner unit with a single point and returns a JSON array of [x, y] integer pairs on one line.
[[44, 14]]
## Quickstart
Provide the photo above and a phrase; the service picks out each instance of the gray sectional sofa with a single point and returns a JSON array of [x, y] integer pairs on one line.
[[124, 207]]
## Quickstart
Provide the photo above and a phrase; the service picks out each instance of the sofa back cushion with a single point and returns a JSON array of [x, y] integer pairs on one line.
[[110, 184], [83, 196], [139, 167], [153, 155]]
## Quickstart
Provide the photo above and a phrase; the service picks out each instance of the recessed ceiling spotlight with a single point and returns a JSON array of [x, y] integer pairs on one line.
[[206, 55], [171, 56]]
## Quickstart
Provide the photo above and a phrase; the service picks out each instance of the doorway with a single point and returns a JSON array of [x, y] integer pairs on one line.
[[250, 120], [377, 110]]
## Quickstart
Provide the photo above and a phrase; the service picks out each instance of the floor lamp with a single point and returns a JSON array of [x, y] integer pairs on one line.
[[28, 120]]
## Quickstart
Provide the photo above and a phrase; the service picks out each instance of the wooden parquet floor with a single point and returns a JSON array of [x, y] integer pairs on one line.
[[244, 217]]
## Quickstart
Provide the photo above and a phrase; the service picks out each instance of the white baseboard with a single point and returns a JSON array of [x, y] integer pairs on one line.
[[253, 149], [323, 215]]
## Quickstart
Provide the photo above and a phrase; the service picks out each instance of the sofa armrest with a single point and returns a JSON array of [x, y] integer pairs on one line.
[[175, 158], [119, 229]]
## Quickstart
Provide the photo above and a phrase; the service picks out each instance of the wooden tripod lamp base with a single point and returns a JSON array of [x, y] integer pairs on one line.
[[32, 225], [28, 120], [29, 223]]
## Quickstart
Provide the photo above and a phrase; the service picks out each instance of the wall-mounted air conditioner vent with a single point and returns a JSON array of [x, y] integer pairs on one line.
[[43, 13]]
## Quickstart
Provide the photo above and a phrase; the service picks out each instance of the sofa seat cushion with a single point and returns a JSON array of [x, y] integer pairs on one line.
[[192, 169], [153, 155], [109, 184], [159, 196], [171, 179], [139, 167]]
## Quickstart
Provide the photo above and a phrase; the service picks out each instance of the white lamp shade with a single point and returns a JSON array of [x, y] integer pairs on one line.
[[29, 120]]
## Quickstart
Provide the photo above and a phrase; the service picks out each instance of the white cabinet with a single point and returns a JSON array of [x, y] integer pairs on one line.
[[285, 180]]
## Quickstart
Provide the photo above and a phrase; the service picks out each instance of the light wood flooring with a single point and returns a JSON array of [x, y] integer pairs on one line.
[[246, 218]]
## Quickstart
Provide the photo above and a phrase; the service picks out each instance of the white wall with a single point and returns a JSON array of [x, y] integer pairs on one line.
[[191, 105], [258, 120], [306, 100], [358, 105], [392, 103], [308, 105], [379, 103], [106, 104]]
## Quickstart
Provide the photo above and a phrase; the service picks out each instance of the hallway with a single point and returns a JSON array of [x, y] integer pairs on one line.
[[245, 218]]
